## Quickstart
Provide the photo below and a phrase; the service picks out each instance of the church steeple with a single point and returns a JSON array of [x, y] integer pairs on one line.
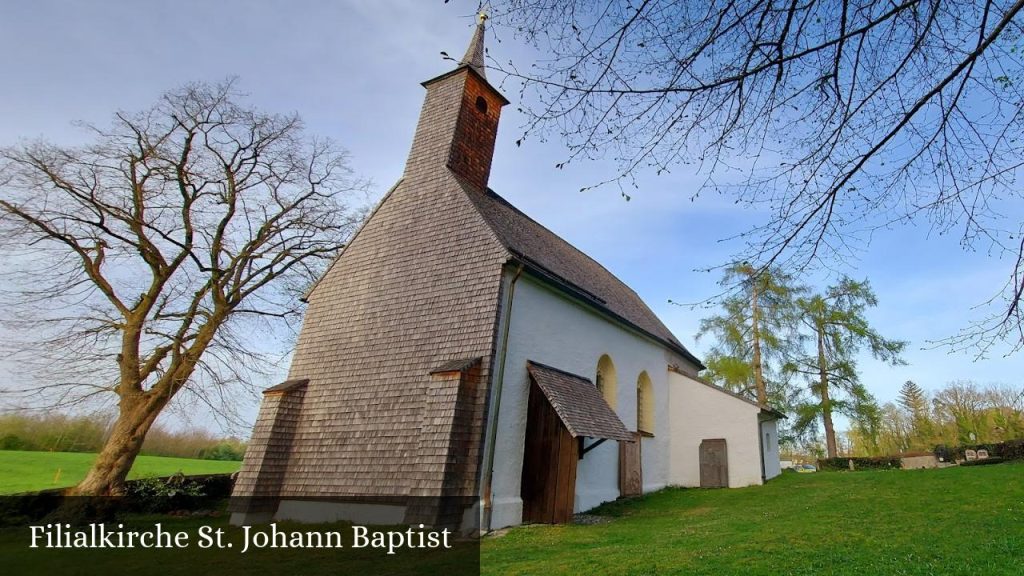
[[459, 120], [474, 57]]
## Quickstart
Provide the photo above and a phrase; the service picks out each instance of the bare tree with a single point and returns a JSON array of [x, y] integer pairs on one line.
[[158, 258], [960, 406], [1004, 406], [841, 116]]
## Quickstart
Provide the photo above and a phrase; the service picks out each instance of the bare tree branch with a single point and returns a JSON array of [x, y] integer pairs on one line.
[[842, 117]]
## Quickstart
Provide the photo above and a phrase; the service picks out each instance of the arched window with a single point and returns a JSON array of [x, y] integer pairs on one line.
[[606, 380], [644, 404]]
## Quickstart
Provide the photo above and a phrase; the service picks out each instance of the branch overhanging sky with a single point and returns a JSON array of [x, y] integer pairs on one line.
[[352, 70]]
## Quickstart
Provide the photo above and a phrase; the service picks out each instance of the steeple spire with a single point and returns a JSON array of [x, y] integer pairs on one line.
[[459, 120], [474, 57]]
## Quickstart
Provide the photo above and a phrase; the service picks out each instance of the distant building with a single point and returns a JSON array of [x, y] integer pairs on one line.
[[457, 348]]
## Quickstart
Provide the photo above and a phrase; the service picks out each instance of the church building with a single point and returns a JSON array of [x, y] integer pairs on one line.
[[458, 349]]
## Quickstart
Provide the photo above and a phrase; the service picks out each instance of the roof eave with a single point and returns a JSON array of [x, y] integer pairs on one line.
[[582, 295], [460, 68], [772, 413]]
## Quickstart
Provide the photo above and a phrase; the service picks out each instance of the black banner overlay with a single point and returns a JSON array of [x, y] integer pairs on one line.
[[51, 534]]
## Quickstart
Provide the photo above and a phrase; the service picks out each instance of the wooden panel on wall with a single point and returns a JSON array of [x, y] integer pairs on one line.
[[714, 463], [565, 486], [549, 464], [630, 475]]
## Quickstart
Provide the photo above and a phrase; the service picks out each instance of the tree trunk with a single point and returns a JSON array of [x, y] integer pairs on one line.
[[138, 410], [826, 406], [108, 472], [762, 392]]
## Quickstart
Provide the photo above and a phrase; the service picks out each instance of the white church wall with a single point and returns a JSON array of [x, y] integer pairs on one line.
[[770, 443], [702, 412], [549, 328]]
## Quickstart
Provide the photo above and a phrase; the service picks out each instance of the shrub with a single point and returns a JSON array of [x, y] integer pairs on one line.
[[15, 442], [164, 494], [224, 450], [945, 453], [178, 493], [86, 433], [52, 431], [191, 443], [1012, 450], [860, 463]]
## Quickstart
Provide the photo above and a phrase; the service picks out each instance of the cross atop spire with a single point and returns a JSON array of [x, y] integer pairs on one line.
[[474, 57]]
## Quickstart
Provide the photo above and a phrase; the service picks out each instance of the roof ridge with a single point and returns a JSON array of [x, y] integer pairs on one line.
[[490, 193], [463, 185]]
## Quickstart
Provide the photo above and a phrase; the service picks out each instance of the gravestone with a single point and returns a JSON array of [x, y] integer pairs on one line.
[[982, 454], [970, 455]]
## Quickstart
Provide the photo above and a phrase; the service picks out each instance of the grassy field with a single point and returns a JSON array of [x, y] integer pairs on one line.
[[966, 520], [26, 471]]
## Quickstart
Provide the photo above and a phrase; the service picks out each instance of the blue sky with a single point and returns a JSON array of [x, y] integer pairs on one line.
[[352, 70]]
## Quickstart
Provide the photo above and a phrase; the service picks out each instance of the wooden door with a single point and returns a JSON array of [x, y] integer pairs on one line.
[[714, 464], [549, 464], [630, 474]]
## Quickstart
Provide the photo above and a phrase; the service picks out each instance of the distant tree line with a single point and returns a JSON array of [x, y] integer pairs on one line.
[[62, 433], [961, 413]]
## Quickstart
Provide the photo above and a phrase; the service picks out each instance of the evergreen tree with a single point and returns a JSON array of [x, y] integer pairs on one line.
[[754, 333], [914, 402], [839, 331], [913, 399]]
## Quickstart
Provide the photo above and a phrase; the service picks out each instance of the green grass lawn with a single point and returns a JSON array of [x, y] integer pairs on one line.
[[26, 471], [967, 520]]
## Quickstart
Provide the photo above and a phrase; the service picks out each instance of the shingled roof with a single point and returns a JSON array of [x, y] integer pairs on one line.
[[551, 256], [578, 403], [474, 57]]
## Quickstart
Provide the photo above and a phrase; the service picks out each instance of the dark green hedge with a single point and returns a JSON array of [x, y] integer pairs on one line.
[[985, 462], [860, 463], [169, 494], [1009, 450]]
